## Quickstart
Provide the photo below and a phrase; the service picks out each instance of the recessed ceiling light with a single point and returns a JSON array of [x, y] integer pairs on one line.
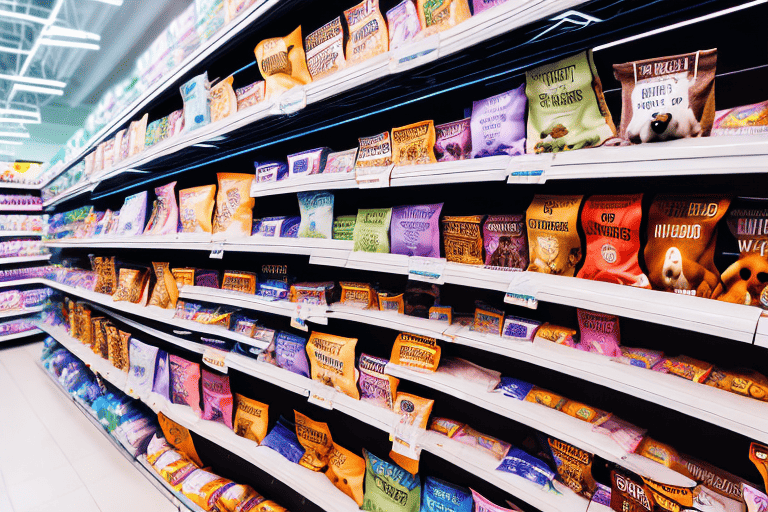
[[70, 32], [69, 44], [12, 142], [36, 89], [17, 135], [34, 114], [33, 80]]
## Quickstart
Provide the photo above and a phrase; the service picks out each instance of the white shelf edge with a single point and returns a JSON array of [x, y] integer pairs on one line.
[[25, 259], [20, 312], [8, 234], [21, 208], [18, 335], [19, 186]]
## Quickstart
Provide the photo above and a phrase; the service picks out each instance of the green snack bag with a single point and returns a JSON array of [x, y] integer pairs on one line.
[[344, 227], [388, 487], [566, 107], [371, 233]]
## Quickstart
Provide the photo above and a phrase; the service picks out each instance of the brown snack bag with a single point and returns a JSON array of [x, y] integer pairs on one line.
[[332, 360], [667, 97], [574, 466], [251, 418], [165, 293], [325, 49], [130, 285], [414, 144], [758, 454], [196, 208], [282, 63], [106, 276], [99, 335], [682, 234], [234, 204], [553, 242], [315, 437], [627, 495], [179, 437], [368, 34], [463, 239], [117, 347]]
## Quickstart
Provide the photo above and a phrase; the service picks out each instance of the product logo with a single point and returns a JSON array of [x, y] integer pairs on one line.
[[609, 254]]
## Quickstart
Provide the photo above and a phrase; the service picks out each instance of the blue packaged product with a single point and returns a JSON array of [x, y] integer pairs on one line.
[[271, 226], [162, 375], [275, 290], [441, 496], [221, 344], [255, 226], [513, 387], [290, 227], [291, 353], [520, 328], [388, 487], [527, 466], [316, 214], [270, 171], [246, 350], [282, 438]]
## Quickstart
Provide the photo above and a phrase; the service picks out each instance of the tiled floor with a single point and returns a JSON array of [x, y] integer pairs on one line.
[[52, 457]]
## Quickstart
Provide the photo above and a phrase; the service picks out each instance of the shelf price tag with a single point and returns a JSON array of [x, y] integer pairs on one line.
[[429, 270], [321, 395], [299, 318], [415, 54], [290, 102], [406, 438], [373, 177], [529, 168], [523, 291], [217, 252], [216, 359]]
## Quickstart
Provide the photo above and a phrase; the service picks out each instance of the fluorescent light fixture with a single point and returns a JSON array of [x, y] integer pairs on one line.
[[36, 89], [17, 135], [70, 32], [111, 2], [69, 44], [19, 120], [34, 114], [681, 24], [33, 80], [22, 16], [11, 142], [8, 49]]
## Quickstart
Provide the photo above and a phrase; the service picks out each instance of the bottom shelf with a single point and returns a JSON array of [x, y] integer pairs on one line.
[[179, 500]]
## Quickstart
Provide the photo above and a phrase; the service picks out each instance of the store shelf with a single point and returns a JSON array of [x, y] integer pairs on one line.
[[19, 186], [391, 320], [555, 423], [761, 334], [20, 312], [19, 335], [331, 181], [21, 207], [73, 191], [176, 241], [19, 282], [178, 499], [8, 234], [24, 259]]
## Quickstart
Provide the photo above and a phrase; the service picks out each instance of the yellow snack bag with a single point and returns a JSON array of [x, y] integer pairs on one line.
[[282, 62], [544, 397], [414, 412], [174, 467], [416, 351], [347, 472], [106, 275], [204, 488], [360, 295], [554, 245], [165, 293], [332, 360], [315, 437], [239, 497], [269, 506], [439, 15], [234, 204], [414, 144], [117, 348], [196, 208], [130, 285], [178, 437], [223, 100], [251, 418], [183, 276], [368, 34], [581, 411]]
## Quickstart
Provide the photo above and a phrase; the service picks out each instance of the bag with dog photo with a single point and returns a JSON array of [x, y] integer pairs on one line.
[[668, 97]]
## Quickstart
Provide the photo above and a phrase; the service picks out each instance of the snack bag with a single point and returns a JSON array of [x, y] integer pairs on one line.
[[744, 120], [239, 498], [347, 471], [453, 141], [375, 385], [282, 63], [316, 215], [414, 144], [368, 35], [250, 95], [165, 221], [325, 49], [106, 276], [483, 504], [374, 151], [566, 107], [574, 466], [463, 239], [132, 215], [131, 284], [438, 15], [498, 124], [234, 205], [137, 131], [553, 242], [142, 373], [204, 488], [415, 230], [371, 232], [388, 487], [197, 102], [441, 496], [185, 382], [599, 333], [556, 334], [628, 494], [290, 353], [741, 282], [505, 242], [667, 97], [682, 234], [235, 8], [332, 359], [341, 161], [612, 228], [412, 350], [196, 208], [178, 437], [315, 437], [217, 398], [251, 418], [520, 463], [403, 23], [223, 100], [282, 438]]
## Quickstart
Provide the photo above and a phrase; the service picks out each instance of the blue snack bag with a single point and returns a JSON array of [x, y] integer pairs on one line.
[[514, 388], [527, 466], [282, 438], [441, 496], [291, 353]]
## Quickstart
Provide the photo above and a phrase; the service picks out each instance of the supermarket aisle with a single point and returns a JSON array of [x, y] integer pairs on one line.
[[52, 457]]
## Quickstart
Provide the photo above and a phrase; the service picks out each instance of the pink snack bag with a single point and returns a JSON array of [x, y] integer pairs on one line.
[[599, 333], [484, 505], [185, 383], [217, 398]]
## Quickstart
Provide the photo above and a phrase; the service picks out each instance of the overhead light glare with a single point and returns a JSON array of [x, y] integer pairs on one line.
[[22, 16], [17, 51], [33, 80], [34, 114], [18, 135], [36, 89], [7, 152], [19, 120], [69, 44], [111, 2], [70, 32], [11, 142]]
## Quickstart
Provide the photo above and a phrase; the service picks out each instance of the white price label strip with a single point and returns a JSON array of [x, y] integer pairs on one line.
[[217, 252], [299, 318], [405, 439], [216, 359], [373, 177], [414, 54], [523, 291], [430, 270], [321, 395], [290, 102]]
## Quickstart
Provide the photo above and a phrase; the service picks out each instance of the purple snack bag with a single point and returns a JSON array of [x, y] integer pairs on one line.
[[498, 124], [185, 382], [217, 398], [291, 353], [415, 230], [162, 375], [505, 241], [482, 5], [403, 23], [599, 333], [375, 386], [453, 141]]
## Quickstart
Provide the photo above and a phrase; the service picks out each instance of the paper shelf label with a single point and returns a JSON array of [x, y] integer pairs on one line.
[[290, 102], [216, 359], [217, 252], [415, 54], [321, 395], [300, 316], [373, 177], [430, 270], [523, 291]]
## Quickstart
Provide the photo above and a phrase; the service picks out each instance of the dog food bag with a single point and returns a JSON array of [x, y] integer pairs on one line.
[[368, 34], [196, 208], [741, 282], [667, 97], [234, 204], [388, 487], [315, 437], [505, 242], [347, 471], [223, 100], [371, 232], [316, 210], [197, 102], [553, 243], [251, 94], [325, 49], [282, 63], [414, 144], [744, 120], [438, 15], [453, 141], [682, 234], [498, 124], [463, 239], [612, 228], [403, 22], [415, 230], [566, 107], [332, 359]]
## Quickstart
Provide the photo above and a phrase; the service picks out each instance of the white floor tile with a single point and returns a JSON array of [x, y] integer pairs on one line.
[[103, 464], [43, 488], [128, 495], [76, 501]]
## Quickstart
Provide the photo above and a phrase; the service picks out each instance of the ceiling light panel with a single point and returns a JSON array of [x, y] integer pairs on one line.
[[69, 44], [18, 135]]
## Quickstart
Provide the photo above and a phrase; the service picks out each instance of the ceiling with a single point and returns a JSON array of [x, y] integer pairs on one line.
[[75, 50]]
